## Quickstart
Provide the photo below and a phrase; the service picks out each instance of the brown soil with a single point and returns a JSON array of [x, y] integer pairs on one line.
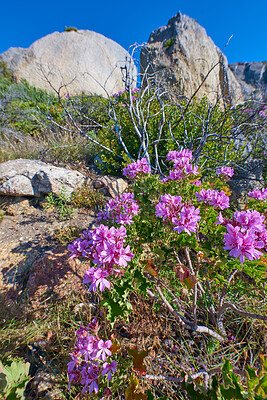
[[27, 233]]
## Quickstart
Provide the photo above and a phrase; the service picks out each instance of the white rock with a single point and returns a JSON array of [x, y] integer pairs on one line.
[[82, 61], [32, 178]]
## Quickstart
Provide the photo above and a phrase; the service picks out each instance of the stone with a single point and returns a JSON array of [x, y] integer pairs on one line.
[[33, 178], [102, 182], [252, 77], [112, 187], [245, 180], [117, 187], [47, 385], [77, 62], [180, 55]]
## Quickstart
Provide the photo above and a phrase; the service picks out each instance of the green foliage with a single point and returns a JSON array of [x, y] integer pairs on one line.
[[14, 376], [86, 197], [229, 387], [186, 131], [60, 202], [22, 105], [70, 29], [169, 43], [68, 234]]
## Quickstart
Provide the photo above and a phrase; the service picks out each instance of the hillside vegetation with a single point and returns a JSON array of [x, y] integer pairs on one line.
[[174, 298]]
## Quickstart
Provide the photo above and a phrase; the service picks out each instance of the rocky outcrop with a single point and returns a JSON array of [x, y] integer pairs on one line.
[[252, 77], [82, 61], [184, 58], [246, 179], [34, 178]]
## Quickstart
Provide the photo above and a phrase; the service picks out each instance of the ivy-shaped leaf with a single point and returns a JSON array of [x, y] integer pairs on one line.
[[115, 309], [138, 360]]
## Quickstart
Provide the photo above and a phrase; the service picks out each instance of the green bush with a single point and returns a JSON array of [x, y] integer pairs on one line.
[[181, 126]]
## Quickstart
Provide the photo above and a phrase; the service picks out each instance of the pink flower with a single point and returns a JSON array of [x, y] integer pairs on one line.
[[79, 247], [138, 167], [181, 162], [249, 219], [188, 220], [103, 349], [180, 158], [121, 209], [214, 198], [108, 368], [168, 207], [259, 194], [97, 278], [228, 171], [197, 183], [242, 244]]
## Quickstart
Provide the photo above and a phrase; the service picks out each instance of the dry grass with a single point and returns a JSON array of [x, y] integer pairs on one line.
[[55, 147]]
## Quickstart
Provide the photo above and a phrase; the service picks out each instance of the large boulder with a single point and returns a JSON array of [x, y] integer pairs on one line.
[[252, 77], [78, 62], [34, 178], [182, 57]]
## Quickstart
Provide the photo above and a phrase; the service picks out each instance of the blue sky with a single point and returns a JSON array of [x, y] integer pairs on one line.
[[128, 22]]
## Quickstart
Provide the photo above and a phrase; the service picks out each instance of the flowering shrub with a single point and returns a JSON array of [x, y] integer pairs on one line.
[[121, 210], [214, 198], [175, 236], [104, 247]]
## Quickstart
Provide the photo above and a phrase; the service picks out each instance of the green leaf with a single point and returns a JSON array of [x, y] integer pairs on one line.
[[115, 308]]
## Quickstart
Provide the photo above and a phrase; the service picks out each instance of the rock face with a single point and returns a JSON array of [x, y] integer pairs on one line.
[[252, 77], [246, 180], [33, 178], [182, 54], [82, 61]]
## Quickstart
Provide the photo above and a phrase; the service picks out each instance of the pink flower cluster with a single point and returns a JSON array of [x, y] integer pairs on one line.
[[89, 360], [228, 171], [246, 234], [121, 209], [183, 216], [138, 167], [214, 198], [104, 246], [259, 194], [122, 92], [181, 162], [263, 112]]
